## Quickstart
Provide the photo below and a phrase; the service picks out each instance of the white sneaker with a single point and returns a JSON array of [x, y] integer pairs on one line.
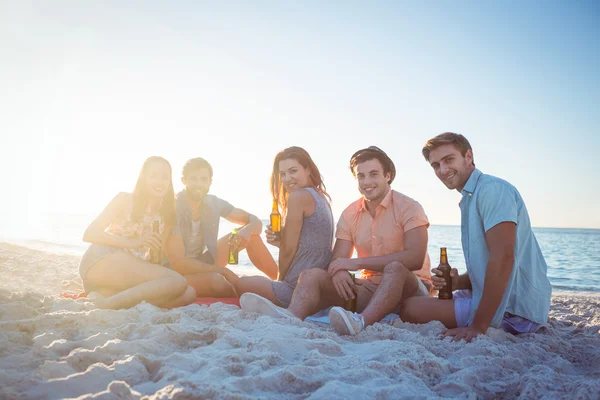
[[252, 302], [345, 322]]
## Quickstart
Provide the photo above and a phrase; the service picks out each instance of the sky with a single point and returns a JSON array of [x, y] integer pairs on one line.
[[89, 90]]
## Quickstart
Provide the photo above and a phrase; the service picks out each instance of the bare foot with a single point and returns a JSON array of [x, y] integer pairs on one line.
[[98, 300]]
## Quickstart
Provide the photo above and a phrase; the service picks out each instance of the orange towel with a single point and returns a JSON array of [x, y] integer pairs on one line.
[[74, 296]]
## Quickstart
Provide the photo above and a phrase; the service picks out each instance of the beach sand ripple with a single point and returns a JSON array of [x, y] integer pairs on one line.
[[51, 347]]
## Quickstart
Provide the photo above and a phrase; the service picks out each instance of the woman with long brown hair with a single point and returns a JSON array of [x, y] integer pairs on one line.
[[307, 234], [123, 265]]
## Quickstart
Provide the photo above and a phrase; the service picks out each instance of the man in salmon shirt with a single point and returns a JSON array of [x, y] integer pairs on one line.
[[389, 232]]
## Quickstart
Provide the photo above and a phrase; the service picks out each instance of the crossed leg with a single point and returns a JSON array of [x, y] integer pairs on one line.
[[315, 291], [126, 281]]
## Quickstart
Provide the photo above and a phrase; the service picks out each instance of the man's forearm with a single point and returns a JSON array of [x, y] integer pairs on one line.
[[496, 280], [254, 225], [409, 259], [464, 282]]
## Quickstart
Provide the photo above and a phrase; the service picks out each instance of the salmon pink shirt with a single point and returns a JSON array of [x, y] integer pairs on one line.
[[384, 234]]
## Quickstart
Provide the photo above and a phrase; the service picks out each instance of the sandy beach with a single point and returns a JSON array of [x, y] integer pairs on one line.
[[53, 347]]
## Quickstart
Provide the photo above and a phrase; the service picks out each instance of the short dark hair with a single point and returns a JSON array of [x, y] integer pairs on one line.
[[370, 153], [194, 164], [456, 139]]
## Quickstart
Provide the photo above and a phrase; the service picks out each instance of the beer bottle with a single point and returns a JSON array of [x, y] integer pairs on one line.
[[155, 254], [234, 244], [351, 303], [445, 293], [276, 221]]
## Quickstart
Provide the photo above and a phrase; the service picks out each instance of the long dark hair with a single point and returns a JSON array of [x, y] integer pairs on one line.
[[141, 199], [280, 194]]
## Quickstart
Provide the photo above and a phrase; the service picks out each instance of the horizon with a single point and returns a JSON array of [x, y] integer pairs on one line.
[[90, 90]]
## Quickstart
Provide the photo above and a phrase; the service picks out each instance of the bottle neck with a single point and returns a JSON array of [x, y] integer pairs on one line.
[[275, 209], [443, 256]]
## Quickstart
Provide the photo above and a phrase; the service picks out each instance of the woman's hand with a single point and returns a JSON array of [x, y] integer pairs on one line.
[[152, 240], [271, 237]]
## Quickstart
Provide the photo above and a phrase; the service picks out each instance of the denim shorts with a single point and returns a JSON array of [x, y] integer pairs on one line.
[[510, 323]]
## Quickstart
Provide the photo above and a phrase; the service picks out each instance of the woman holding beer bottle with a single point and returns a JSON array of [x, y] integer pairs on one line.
[[123, 265], [307, 232]]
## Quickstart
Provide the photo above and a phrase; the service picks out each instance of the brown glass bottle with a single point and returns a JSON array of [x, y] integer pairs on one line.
[[445, 293], [276, 221], [155, 254], [234, 247], [351, 303]]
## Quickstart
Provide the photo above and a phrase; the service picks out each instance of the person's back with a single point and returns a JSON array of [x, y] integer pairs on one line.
[[316, 240], [306, 235], [528, 291], [506, 284]]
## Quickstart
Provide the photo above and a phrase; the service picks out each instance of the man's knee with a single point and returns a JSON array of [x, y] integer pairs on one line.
[[312, 275], [395, 268], [254, 240]]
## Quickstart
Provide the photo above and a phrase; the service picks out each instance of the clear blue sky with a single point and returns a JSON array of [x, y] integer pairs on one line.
[[88, 90]]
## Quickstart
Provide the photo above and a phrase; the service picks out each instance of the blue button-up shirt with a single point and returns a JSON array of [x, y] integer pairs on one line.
[[486, 202]]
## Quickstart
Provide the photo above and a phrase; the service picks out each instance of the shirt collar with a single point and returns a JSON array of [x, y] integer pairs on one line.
[[471, 182], [184, 203], [385, 202]]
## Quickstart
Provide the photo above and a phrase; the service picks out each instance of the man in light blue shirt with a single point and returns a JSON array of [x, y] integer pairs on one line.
[[506, 284]]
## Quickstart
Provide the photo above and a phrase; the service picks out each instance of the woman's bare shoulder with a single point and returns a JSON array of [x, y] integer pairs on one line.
[[301, 198], [122, 203]]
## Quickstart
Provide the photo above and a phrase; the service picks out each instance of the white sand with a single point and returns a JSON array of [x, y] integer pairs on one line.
[[52, 347]]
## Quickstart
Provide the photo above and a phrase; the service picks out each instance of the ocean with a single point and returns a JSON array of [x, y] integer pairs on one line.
[[572, 255]]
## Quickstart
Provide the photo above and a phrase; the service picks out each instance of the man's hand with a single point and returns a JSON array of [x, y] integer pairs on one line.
[[341, 264], [345, 288], [228, 274], [468, 333], [439, 282], [244, 236]]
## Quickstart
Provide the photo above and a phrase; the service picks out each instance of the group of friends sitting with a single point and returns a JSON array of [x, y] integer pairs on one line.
[[505, 286]]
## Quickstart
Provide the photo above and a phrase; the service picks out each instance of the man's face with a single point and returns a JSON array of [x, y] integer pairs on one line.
[[451, 167], [372, 182], [197, 183]]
